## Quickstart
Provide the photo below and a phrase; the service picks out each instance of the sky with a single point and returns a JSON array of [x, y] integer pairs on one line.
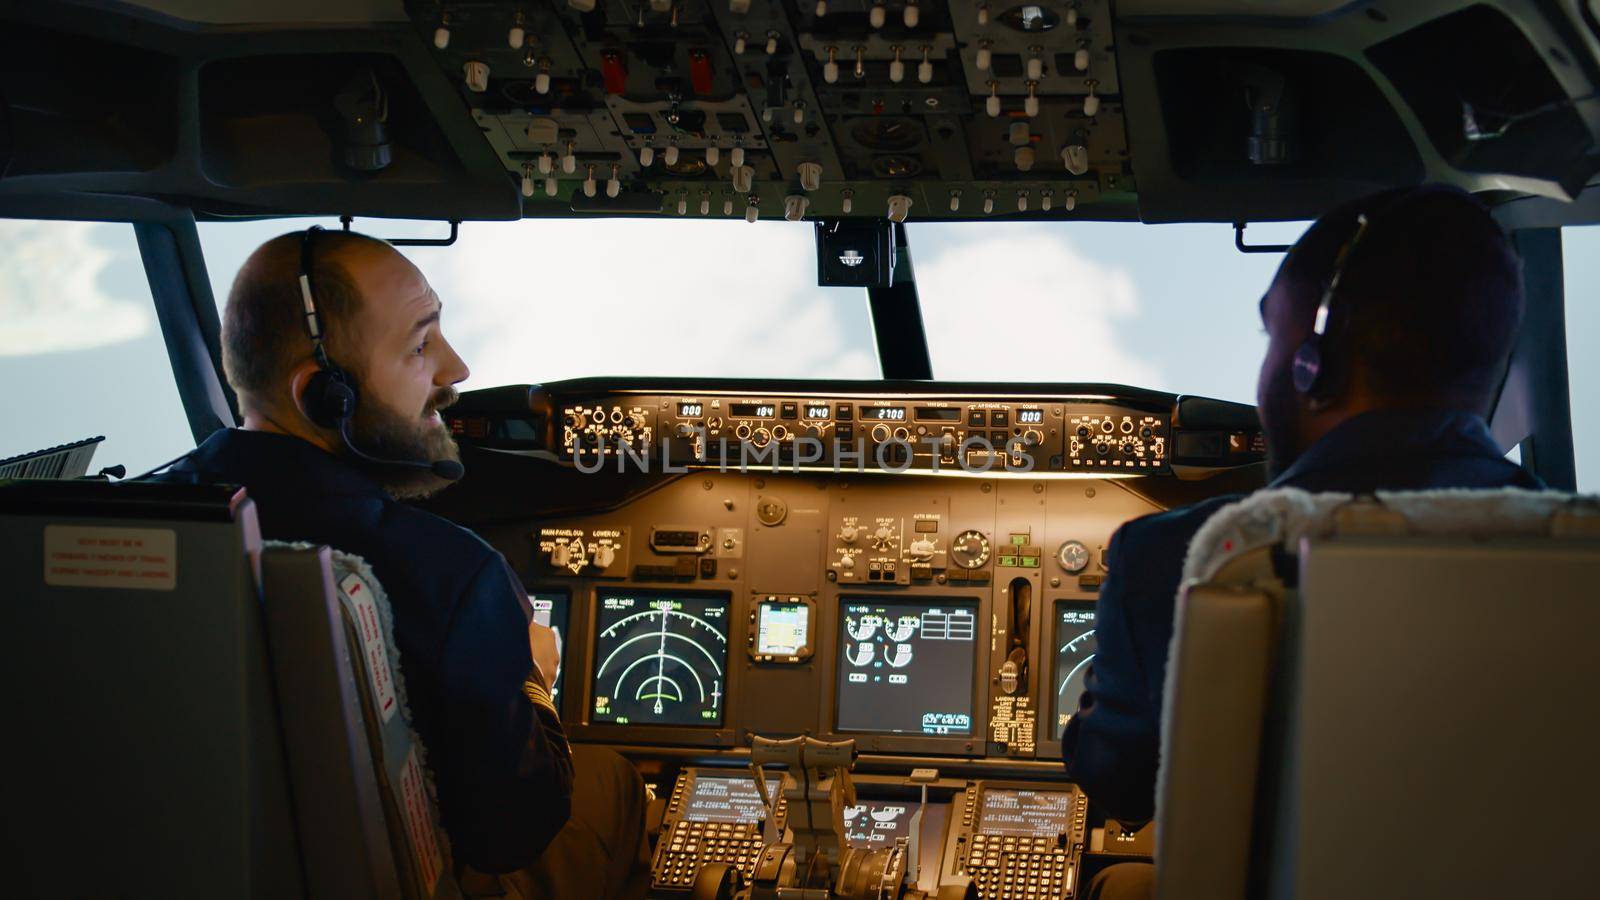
[[1171, 307]]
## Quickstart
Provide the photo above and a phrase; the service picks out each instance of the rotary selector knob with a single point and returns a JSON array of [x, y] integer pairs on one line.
[[1073, 556], [883, 538], [921, 550], [970, 550], [604, 555], [849, 533]]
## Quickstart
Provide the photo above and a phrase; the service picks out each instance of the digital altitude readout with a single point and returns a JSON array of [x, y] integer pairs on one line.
[[1030, 416], [907, 667], [883, 413], [691, 410], [817, 412], [660, 659], [752, 410]]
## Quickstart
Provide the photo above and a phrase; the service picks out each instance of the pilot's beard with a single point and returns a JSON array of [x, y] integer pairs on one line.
[[382, 431]]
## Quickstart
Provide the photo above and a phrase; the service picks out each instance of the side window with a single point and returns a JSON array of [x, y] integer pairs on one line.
[[1580, 252], [81, 353]]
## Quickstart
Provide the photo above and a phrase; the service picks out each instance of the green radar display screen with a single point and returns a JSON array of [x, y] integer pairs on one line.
[[660, 658]]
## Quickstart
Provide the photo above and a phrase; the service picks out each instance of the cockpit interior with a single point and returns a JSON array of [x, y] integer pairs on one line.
[[879, 590]]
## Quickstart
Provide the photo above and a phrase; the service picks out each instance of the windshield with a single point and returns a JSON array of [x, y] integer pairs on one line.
[[1168, 307]]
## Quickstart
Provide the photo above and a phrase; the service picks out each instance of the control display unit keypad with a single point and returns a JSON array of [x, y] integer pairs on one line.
[[712, 816], [1020, 841]]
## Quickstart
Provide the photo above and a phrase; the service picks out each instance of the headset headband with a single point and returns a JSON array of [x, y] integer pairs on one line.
[[312, 319]]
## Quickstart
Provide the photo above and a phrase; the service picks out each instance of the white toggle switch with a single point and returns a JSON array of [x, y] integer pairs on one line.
[[545, 163], [1076, 158], [727, 206], [799, 113], [810, 175], [897, 68], [736, 157], [1091, 103], [830, 69], [752, 210], [1023, 158], [742, 178], [476, 75], [1080, 59], [772, 42], [1046, 200], [713, 153], [550, 186], [766, 115], [569, 163], [541, 81], [527, 181], [739, 43], [613, 184], [588, 183], [846, 202], [822, 8], [670, 155], [983, 14], [988, 204], [925, 68], [737, 7], [1030, 106], [683, 204], [912, 14], [1035, 64], [794, 207], [1072, 17], [647, 155], [516, 37], [1071, 202], [1022, 201], [705, 203], [441, 36], [877, 16], [984, 56], [899, 207], [992, 105], [955, 201]]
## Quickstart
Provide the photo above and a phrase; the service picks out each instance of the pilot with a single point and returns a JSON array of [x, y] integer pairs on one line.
[[1420, 321], [514, 798]]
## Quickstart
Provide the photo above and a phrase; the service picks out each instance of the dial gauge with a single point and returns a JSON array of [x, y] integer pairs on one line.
[[1073, 556], [970, 550]]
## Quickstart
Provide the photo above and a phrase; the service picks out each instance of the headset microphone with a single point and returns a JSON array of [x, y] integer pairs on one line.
[[448, 469]]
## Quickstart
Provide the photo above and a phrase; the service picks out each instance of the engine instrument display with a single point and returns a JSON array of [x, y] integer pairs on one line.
[[660, 659], [906, 667], [875, 824], [550, 610], [1075, 646], [716, 798], [1023, 813]]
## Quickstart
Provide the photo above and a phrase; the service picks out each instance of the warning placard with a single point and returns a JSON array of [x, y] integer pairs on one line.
[[138, 558], [419, 824], [372, 644]]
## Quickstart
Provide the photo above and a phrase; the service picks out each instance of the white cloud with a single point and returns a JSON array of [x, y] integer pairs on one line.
[[546, 300], [1018, 303], [51, 297]]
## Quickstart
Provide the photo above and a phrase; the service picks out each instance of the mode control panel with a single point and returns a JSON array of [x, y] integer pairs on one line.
[[895, 433]]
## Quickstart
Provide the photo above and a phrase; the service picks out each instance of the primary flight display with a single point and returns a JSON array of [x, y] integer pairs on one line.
[[660, 658]]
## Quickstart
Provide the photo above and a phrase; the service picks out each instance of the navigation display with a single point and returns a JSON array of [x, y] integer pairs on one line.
[[714, 798], [1075, 647], [782, 629], [1018, 813], [906, 667], [550, 610], [876, 824], [660, 658]]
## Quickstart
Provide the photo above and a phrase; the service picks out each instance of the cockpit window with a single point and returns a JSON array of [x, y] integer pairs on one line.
[[81, 353], [1580, 252], [1171, 307], [542, 300]]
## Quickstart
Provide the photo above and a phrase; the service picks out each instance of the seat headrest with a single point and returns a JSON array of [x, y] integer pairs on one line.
[[1284, 516]]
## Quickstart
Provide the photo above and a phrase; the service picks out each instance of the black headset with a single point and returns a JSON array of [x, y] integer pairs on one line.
[[331, 395], [1311, 376]]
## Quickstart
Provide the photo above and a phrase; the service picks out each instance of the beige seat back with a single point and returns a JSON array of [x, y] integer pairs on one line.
[[1413, 718]]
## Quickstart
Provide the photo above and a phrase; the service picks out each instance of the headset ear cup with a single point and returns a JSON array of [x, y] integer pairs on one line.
[[1307, 367], [330, 398]]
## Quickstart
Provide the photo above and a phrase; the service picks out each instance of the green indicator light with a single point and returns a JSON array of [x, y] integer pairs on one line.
[[1017, 540], [1030, 562]]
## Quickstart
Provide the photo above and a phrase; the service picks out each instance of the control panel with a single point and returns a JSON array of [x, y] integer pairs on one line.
[[712, 816], [1018, 839]]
